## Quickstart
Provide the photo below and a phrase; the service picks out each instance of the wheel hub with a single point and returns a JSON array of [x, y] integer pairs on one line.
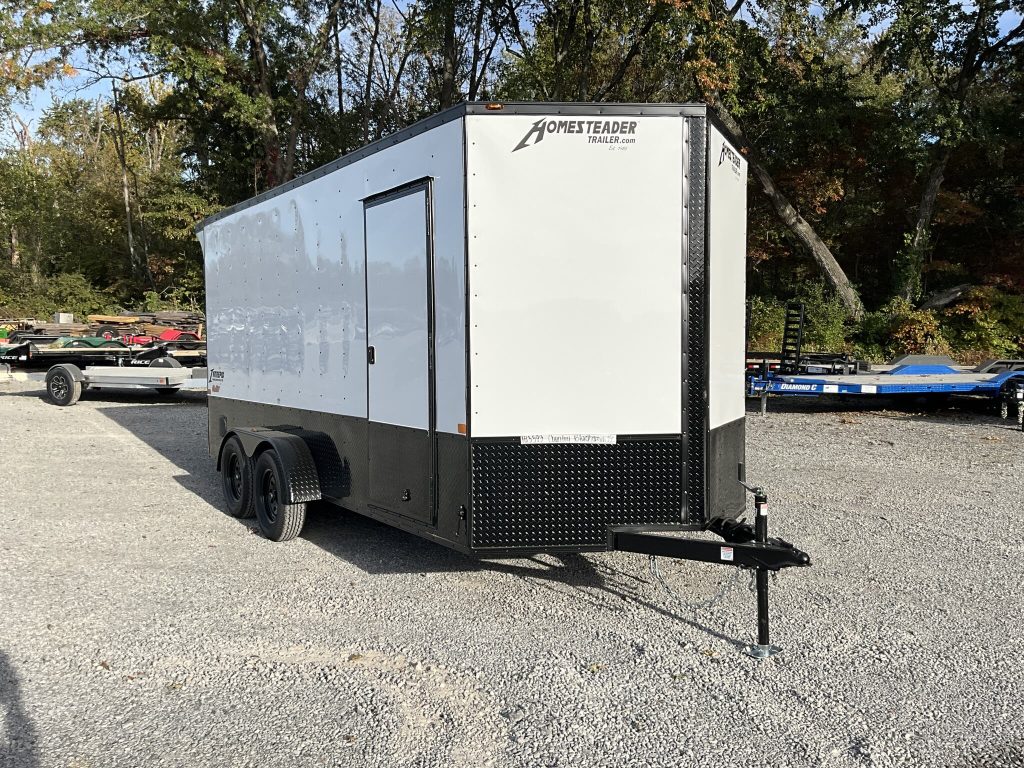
[[59, 387], [235, 473], [269, 488]]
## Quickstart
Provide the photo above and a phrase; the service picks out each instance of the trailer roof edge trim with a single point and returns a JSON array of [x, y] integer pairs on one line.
[[454, 113]]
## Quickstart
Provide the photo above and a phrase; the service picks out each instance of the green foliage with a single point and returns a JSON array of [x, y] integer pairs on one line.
[[846, 105], [767, 322], [898, 328], [986, 323], [824, 317], [188, 292], [23, 296]]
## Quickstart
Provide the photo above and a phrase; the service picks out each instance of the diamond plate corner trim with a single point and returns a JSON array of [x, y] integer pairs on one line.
[[696, 288]]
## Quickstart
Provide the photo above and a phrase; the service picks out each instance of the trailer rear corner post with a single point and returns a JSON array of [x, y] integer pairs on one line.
[[746, 547]]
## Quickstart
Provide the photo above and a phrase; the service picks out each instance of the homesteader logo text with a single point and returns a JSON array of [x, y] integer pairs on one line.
[[730, 156], [596, 131]]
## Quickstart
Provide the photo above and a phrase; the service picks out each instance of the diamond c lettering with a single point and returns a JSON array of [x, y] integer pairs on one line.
[[619, 132]]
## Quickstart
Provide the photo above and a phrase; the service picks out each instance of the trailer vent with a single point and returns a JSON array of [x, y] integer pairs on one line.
[[532, 496]]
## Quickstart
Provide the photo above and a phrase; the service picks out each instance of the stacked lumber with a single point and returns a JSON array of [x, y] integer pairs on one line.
[[148, 323], [62, 329]]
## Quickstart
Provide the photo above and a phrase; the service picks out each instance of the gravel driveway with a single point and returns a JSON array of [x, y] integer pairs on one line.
[[140, 626]]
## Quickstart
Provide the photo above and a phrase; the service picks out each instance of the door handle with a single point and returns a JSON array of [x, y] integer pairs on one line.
[[371, 355]]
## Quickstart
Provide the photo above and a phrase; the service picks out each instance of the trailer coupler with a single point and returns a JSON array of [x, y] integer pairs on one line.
[[746, 547]]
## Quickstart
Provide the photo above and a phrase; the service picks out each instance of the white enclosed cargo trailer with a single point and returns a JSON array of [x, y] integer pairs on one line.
[[508, 328]]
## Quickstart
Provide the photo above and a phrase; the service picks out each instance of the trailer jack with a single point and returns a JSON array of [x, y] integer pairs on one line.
[[745, 546]]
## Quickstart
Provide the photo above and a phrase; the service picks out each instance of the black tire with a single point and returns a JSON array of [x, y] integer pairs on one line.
[[236, 472], [106, 332], [62, 385], [278, 521]]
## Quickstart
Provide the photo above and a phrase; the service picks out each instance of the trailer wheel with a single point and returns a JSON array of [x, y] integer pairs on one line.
[[278, 521], [63, 387], [236, 473]]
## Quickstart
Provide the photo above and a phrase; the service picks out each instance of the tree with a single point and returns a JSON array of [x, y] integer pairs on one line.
[[952, 51], [659, 50]]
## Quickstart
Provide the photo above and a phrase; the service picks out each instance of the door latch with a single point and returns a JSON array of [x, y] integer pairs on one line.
[[371, 355]]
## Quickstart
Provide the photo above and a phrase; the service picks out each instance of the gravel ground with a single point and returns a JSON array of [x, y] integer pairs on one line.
[[140, 626]]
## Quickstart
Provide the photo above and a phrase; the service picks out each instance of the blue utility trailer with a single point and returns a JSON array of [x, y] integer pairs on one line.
[[912, 375]]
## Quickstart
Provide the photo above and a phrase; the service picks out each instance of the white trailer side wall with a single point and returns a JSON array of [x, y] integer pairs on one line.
[[286, 284], [575, 262], [727, 254]]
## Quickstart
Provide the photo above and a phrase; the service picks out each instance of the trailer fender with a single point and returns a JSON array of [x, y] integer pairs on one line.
[[72, 370], [301, 478]]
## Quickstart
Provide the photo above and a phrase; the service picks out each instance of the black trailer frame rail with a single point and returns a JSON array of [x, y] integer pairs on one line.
[[773, 555]]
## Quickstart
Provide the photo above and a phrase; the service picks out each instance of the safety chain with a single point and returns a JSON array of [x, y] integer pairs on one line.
[[714, 600]]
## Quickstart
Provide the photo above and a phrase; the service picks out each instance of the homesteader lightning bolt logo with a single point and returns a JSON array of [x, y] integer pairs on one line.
[[537, 130], [596, 131]]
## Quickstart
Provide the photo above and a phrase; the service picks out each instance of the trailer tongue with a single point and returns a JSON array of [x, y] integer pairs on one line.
[[746, 547]]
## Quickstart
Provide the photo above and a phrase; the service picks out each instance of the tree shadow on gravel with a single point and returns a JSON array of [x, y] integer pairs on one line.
[[18, 739], [1009, 755], [148, 417], [374, 547]]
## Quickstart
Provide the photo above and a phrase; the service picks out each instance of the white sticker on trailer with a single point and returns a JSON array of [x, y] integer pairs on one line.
[[575, 439], [868, 389], [727, 554], [830, 389]]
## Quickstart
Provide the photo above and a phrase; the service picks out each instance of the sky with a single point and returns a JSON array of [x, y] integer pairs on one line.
[[84, 86]]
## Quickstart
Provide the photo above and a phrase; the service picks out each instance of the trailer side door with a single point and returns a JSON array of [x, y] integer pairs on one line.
[[400, 380]]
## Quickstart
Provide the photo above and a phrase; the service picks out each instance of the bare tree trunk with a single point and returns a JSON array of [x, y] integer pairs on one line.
[[796, 223], [652, 18], [270, 133], [341, 85], [589, 41], [475, 61], [15, 249], [449, 95], [368, 86], [139, 266], [910, 268]]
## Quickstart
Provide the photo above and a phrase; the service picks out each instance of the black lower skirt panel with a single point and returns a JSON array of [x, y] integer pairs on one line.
[[497, 497], [566, 496]]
